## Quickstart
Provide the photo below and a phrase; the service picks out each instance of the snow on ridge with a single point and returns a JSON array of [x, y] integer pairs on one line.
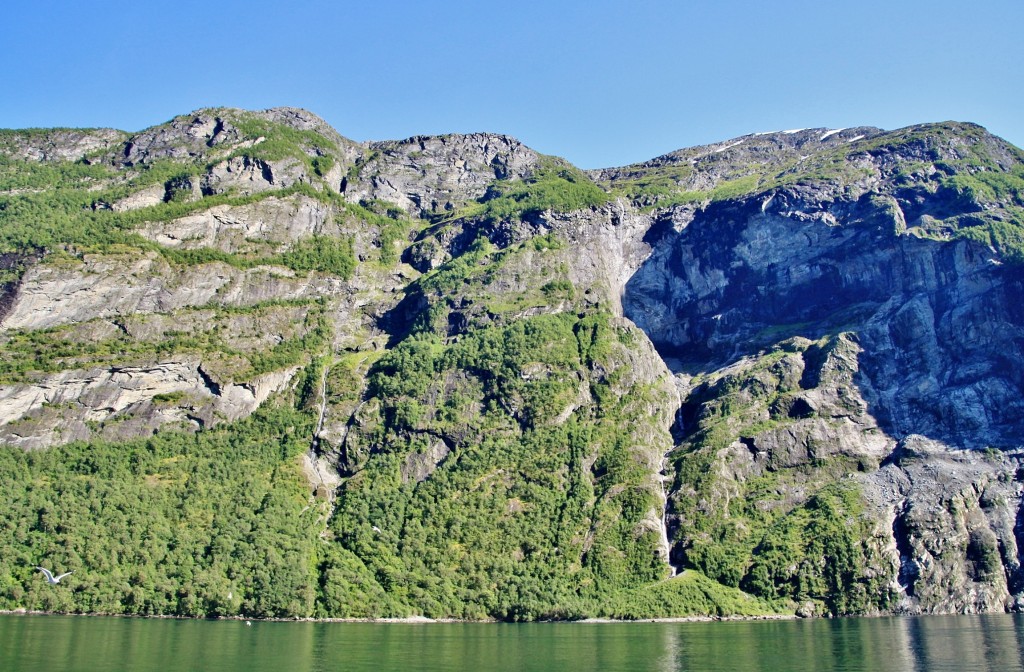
[[859, 137], [794, 130], [831, 133]]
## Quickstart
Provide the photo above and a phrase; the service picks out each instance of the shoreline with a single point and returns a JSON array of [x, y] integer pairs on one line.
[[407, 620]]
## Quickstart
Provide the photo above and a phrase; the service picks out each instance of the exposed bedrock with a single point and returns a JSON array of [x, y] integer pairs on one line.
[[935, 377]]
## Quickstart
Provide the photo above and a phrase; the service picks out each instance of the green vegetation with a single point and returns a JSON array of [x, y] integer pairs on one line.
[[486, 283], [498, 474], [77, 347], [819, 552], [66, 218], [690, 594], [1006, 236], [216, 523], [555, 185], [533, 512], [788, 533], [721, 192], [323, 254], [49, 207], [647, 186], [498, 458], [392, 223], [471, 266], [274, 142], [18, 175], [989, 186], [503, 525]]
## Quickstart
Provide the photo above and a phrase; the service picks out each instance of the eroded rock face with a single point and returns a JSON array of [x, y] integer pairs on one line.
[[937, 373], [937, 321], [63, 144], [125, 402], [200, 133], [434, 174], [273, 222], [954, 524], [108, 286], [183, 138]]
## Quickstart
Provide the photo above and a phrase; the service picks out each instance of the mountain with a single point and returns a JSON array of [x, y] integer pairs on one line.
[[251, 367]]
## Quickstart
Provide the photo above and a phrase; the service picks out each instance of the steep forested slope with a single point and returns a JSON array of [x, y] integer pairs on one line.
[[252, 367]]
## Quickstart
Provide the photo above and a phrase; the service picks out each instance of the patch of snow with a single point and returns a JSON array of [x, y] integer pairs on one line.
[[859, 137], [794, 130], [722, 149], [831, 133]]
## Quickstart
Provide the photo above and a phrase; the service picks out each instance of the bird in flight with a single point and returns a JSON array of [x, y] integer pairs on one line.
[[50, 577]]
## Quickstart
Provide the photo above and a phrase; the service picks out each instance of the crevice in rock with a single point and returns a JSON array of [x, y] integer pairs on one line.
[[218, 128], [1015, 579], [346, 461], [16, 263], [210, 384], [314, 445], [666, 479], [267, 172], [198, 420], [908, 571], [666, 532]]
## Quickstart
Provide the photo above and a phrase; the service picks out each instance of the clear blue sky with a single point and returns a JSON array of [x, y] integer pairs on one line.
[[600, 83]]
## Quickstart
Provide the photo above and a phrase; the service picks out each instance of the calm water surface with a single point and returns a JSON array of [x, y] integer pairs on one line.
[[56, 643]]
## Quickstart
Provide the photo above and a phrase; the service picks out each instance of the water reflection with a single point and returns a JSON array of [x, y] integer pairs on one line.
[[44, 643], [991, 642]]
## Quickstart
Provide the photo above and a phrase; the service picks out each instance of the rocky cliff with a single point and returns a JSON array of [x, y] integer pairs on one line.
[[777, 373]]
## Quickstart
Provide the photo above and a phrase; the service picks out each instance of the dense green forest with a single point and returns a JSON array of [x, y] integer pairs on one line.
[[215, 523]]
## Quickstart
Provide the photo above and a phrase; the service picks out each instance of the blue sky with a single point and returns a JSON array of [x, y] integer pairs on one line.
[[600, 83]]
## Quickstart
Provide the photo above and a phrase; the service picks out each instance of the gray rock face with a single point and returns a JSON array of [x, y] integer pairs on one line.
[[69, 144], [125, 402], [426, 175], [937, 321], [706, 167], [954, 526], [939, 367], [184, 138], [203, 132], [273, 222], [110, 286]]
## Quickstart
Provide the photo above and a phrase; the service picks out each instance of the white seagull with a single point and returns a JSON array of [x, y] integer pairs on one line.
[[50, 577]]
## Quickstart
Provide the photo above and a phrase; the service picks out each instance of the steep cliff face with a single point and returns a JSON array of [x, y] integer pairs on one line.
[[785, 367], [893, 253]]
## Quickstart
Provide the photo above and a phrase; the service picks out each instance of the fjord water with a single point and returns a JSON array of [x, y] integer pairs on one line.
[[51, 643]]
